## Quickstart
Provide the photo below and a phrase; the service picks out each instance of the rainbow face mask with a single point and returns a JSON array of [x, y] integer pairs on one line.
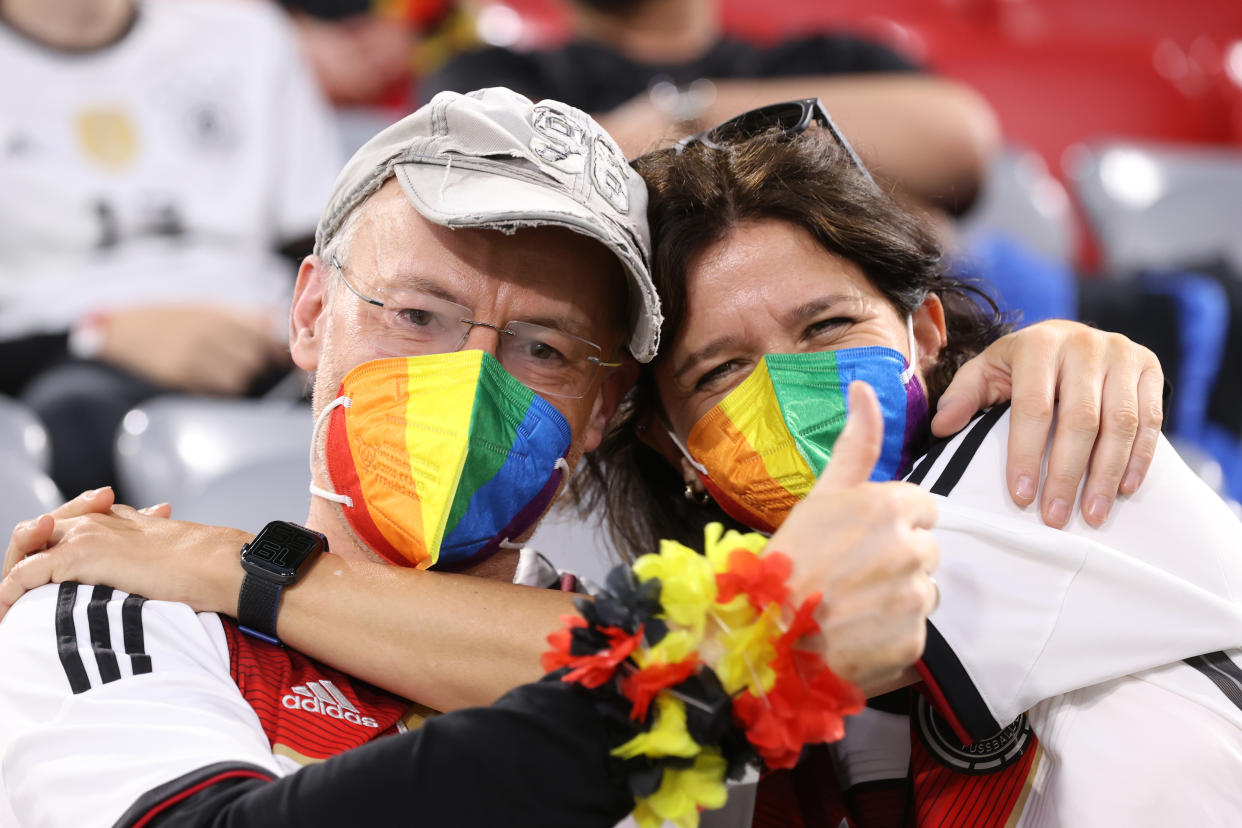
[[439, 460], [761, 448]]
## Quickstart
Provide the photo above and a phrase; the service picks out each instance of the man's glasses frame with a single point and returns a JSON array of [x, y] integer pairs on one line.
[[504, 330], [790, 117]]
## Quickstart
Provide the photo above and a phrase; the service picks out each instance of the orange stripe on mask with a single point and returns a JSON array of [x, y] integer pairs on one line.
[[767, 485], [383, 485], [730, 449]]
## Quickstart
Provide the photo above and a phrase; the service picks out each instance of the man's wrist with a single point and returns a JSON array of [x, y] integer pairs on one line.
[[225, 574]]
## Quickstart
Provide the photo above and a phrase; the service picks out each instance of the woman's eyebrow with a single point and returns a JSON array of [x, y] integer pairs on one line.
[[708, 351], [814, 307]]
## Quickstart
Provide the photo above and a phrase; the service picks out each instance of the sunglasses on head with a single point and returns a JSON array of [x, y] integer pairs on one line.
[[791, 118]]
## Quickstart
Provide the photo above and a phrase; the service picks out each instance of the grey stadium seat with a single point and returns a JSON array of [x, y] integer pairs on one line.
[[1021, 199], [1159, 206], [25, 489], [22, 433], [234, 462]]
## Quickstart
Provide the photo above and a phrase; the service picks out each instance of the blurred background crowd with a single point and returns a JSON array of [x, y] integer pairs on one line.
[[163, 164]]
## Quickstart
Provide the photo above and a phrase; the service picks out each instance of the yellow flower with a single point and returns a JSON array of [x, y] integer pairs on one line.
[[645, 817], [667, 737], [687, 583], [748, 653], [719, 544], [683, 792], [737, 613], [674, 647]]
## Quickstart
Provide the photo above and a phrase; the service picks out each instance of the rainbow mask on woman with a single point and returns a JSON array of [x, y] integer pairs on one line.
[[761, 448], [439, 460]]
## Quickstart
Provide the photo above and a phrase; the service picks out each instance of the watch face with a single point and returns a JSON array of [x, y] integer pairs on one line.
[[281, 548]]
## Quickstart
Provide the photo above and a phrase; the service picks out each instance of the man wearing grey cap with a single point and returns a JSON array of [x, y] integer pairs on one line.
[[478, 275]]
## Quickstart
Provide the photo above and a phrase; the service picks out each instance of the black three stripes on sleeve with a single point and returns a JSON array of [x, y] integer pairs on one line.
[[975, 433], [1221, 671], [941, 662], [100, 636]]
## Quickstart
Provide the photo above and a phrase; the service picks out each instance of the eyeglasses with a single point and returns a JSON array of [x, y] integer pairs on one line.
[[790, 117], [545, 360]]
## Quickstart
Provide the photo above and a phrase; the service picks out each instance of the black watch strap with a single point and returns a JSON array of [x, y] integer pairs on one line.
[[257, 606]]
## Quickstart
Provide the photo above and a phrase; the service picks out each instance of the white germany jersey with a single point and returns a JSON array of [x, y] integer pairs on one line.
[[1082, 677], [114, 708], [166, 167], [106, 697]]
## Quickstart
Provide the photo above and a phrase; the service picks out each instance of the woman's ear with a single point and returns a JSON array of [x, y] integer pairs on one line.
[[308, 317], [930, 333]]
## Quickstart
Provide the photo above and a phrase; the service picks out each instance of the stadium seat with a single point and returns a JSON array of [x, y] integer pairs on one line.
[[21, 433], [1157, 211], [1031, 286], [252, 494], [25, 489], [1024, 201], [1161, 206], [236, 462], [1183, 21]]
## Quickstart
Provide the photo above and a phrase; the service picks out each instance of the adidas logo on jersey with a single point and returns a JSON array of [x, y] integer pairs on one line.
[[324, 698]]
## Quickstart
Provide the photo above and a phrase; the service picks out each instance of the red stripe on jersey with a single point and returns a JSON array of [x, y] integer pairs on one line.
[[946, 796], [879, 804], [947, 784], [776, 802], [189, 792], [304, 721], [806, 796], [932, 688]]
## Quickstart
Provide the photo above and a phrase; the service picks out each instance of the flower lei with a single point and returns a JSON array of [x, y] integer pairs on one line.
[[699, 651]]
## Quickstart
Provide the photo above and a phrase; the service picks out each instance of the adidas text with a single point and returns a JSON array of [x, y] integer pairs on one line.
[[332, 711]]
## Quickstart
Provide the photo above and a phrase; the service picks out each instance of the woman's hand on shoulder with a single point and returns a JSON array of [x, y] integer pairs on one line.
[[1106, 392], [93, 540]]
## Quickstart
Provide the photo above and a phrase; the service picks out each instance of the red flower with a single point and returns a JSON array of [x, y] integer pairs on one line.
[[767, 731], [559, 656], [797, 711], [803, 623], [761, 577], [643, 686], [593, 669]]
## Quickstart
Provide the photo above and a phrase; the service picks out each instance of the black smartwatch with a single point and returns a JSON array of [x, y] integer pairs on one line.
[[275, 559]]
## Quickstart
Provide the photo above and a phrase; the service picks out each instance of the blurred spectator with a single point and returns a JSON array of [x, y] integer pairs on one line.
[[369, 52], [642, 68], [154, 160]]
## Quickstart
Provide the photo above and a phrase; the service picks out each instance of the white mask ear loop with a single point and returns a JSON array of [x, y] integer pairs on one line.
[[327, 494], [699, 467], [909, 372]]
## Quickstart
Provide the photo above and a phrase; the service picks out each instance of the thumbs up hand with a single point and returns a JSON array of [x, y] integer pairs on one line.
[[868, 549]]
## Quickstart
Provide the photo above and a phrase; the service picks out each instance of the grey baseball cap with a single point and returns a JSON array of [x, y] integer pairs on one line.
[[494, 159]]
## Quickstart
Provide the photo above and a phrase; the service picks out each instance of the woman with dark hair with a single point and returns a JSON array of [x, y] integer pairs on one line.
[[1069, 677], [819, 191]]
